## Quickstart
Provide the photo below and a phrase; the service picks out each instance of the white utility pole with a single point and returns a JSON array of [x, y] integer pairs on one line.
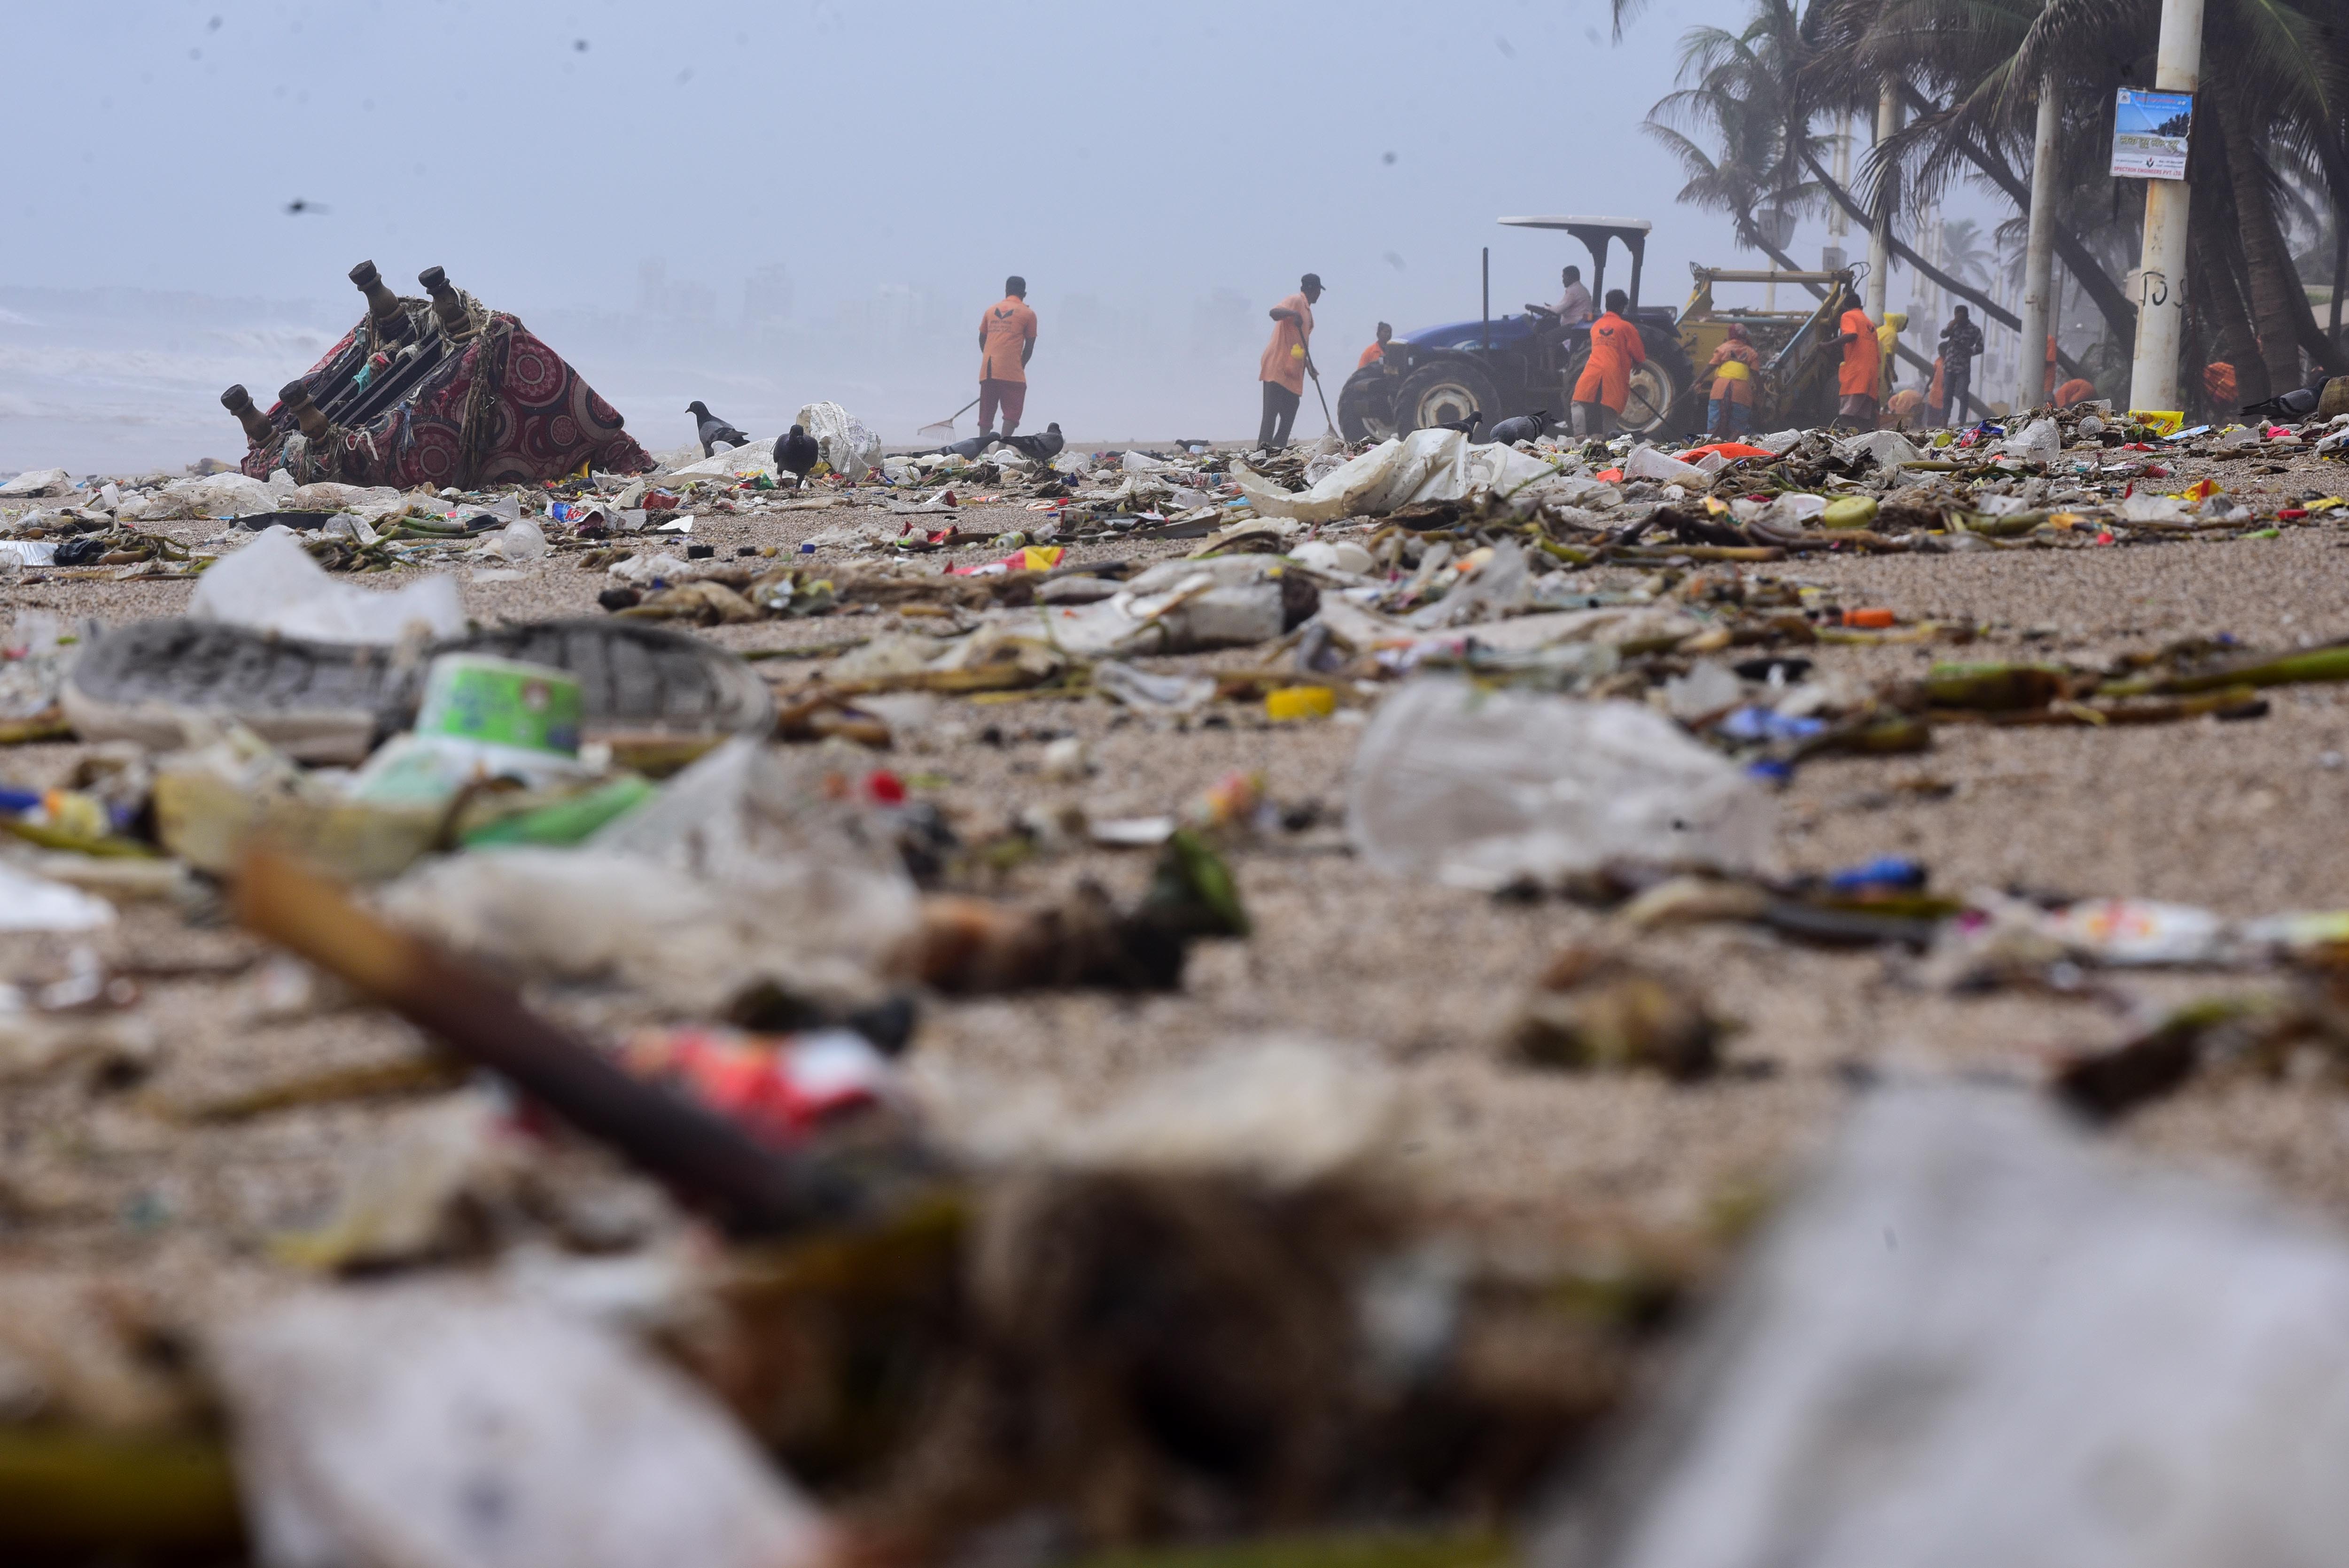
[[1839, 222], [2039, 251], [2161, 289], [1880, 240]]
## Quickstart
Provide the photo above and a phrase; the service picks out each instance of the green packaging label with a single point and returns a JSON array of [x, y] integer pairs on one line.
[[500, 702]]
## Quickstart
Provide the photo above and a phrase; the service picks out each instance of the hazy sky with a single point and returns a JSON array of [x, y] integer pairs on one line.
[[542, 151]]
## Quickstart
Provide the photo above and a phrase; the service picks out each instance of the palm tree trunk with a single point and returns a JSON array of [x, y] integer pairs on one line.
[[2267, 264], [2113, 302], [2219, 303], [1988, 306]]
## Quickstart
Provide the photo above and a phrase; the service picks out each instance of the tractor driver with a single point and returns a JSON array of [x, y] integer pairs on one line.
[[1574, 304]]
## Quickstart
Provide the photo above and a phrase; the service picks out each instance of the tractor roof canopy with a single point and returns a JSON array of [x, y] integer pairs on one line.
[[1595, 233]]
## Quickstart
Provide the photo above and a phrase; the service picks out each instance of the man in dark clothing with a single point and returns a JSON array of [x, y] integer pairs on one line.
[[1961, 341]]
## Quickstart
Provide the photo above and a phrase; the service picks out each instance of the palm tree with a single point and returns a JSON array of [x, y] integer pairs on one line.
[[2276, 76], [1733, 87], [1962, 251]]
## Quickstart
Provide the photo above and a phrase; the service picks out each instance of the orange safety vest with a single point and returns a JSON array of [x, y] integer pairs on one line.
[[1615, 347]]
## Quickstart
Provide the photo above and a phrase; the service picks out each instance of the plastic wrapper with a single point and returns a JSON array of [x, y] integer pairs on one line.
[[214, 495], [743, 871], [273, 585], [1487, 788], [448, 1428], [1424, 466]]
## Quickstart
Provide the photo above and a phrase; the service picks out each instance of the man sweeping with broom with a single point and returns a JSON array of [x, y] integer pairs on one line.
[[1287, 359], [1007, 337]]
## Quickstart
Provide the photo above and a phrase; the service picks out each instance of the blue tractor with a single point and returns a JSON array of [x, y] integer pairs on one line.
[[1498, 368]]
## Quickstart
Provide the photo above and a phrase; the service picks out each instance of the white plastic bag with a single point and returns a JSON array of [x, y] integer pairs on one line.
[[1175, 607], [1647, 463], [29, 903], [1979, 1337], [2042, 442], [273, 585], [1891, 449], [517, 541], [841, 439], [36, 482], [441, 1427], [222, 495], [1484, 789], [739, 462], [1424, 466], [741, 869]]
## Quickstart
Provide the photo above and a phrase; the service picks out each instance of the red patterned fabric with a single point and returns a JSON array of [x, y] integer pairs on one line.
[[504, 410]]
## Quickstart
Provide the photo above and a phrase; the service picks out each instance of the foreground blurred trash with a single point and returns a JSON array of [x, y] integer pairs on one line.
[[1596, 1010], [1484, 789], [331, 701], [743, 873], [457, 1427], [29, 903], [705, 1158], [481, 719], [1979, 1339]]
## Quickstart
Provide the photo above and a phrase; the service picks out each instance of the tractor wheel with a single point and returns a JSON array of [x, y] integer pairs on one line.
[[1444, 392], [1674, 377], [1366, 405]]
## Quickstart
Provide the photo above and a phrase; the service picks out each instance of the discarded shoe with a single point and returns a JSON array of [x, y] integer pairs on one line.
[[331, 702]]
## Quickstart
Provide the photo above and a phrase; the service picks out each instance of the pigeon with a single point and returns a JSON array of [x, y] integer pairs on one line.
[[795, 452], [2297, 404], [973, 446], [713, 430], [1524, 427], [1043, 448], [1467, 427]]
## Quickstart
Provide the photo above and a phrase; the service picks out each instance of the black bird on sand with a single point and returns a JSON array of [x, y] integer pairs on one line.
[[1467, 427], [795, 452], [1524, 427], [1043, 448], [713, 430]]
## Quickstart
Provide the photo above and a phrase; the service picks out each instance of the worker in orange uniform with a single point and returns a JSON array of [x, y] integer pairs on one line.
[[2079, 390], [1605, 384], [1730, 411], [1376, 351], [2047, 388], [2218, 385], [1007, 337], [1855, 378], [1287, 359]]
